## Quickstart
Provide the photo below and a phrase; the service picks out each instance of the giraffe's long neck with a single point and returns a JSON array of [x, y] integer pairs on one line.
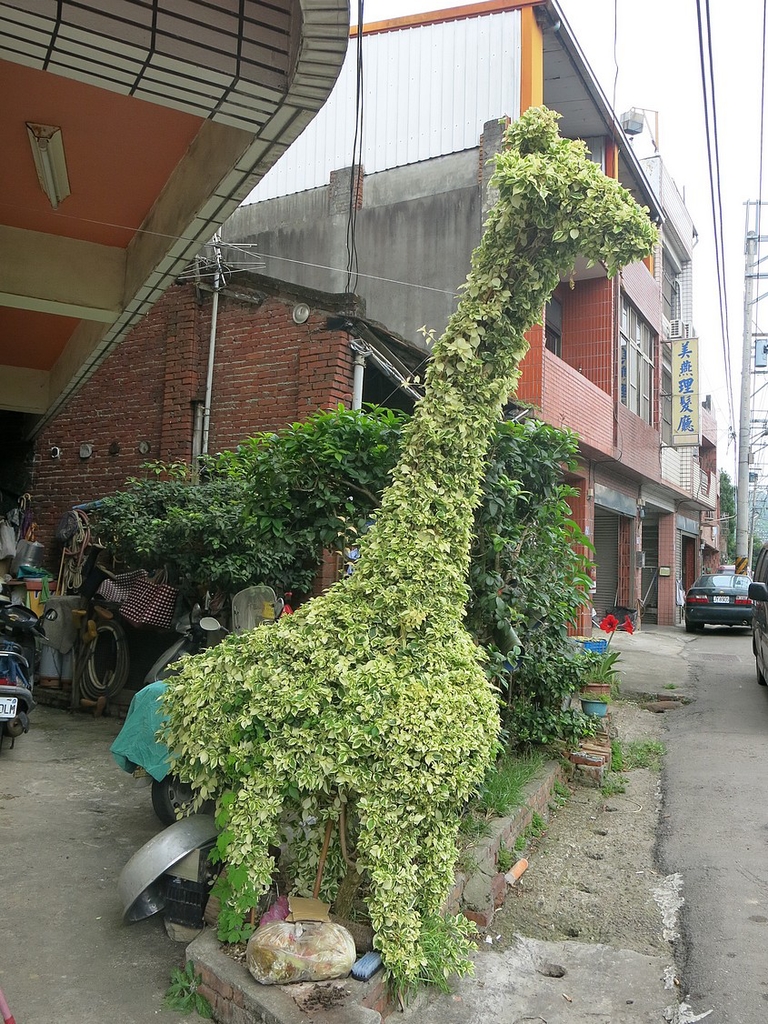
[[554, 204], [436, 483]]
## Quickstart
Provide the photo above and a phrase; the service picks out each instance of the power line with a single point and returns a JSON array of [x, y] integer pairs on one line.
[[762, 122], [357, 158], [245, 247], [715, 195]]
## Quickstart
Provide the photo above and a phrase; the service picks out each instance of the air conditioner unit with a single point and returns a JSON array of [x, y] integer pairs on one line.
[[679, 329]]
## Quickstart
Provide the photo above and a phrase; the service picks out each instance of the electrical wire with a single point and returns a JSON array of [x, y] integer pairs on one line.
[[355, 178], [762, 124], [711, 132], [244, 247]]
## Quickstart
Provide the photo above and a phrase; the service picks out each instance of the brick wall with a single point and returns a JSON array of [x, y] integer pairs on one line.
[[588, 331], [570, 400], [269, 372], [643, 292], [638, 444], [531, 385]]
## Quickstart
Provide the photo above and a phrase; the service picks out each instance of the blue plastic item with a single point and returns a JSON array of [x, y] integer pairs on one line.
[[596, 646], [366, 966]]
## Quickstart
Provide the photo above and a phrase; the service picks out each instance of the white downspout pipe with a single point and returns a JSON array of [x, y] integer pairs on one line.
[[358, 374]]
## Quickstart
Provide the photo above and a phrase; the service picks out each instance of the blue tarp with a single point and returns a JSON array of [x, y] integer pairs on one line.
[[135, 744]]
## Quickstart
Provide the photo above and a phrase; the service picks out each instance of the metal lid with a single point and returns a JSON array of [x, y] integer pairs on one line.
[[141, 885]]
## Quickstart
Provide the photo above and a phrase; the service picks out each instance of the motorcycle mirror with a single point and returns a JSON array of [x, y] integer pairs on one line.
[[209, 624]]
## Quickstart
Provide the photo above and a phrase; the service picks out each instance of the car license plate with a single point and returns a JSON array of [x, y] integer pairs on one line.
[[8, 707], [720, 599]]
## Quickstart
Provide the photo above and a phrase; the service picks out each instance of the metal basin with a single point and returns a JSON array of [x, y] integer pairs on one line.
[[142, 884]]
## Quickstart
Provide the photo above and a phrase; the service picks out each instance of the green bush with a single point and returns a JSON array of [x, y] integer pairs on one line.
[[263, 513]]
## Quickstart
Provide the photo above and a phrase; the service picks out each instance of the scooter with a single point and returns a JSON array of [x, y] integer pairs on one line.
[[19, 626], [136, 748]]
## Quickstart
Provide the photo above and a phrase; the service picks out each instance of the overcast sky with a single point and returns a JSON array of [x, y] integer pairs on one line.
[[657, 66]]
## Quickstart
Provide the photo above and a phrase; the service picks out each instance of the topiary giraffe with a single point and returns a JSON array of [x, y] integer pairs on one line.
[[372, 699]]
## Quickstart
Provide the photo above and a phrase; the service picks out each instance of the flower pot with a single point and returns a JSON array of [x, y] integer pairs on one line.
[[598, 708], [591, 690]]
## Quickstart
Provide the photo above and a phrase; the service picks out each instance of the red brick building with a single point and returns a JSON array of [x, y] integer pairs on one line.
[[146, 402]]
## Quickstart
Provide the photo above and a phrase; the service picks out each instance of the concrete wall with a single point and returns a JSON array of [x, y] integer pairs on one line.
[[415, 232]]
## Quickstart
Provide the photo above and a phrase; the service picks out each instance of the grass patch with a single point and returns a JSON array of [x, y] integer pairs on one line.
[[538, 826], [504, 859], [561, 790], [503, 786], [614, 783], [643, 754], [500, 793], [473, 827], [182, 994], [669, 686]]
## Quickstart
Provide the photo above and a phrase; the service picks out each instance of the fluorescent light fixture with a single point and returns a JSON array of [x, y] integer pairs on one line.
[[50, 163]]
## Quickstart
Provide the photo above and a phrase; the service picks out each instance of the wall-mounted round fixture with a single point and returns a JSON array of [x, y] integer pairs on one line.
[[144, 447], [86, 451], [114, 448], [300, 313], [55, 452]]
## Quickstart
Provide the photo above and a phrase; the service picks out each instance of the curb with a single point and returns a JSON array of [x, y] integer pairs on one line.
[[236, 998]]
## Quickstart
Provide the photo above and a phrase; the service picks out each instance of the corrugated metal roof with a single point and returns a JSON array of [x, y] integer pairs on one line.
[[428, 90]]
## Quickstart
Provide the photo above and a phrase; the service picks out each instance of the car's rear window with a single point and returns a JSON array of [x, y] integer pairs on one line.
[[718, 581]]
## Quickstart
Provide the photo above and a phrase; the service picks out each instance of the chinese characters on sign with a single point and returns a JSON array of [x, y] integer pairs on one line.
[[685, 392]]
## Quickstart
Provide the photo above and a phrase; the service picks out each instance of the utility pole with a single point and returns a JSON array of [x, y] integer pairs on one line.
[[745, 421]]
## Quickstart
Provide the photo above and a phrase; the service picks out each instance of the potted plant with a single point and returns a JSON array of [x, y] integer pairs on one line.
[[595, 704], [600, 677]]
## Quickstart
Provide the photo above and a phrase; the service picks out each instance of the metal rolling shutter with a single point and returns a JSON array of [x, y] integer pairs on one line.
[[606, 541]]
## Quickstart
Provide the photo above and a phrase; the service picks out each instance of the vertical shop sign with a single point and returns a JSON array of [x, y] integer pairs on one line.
[[685, 392]]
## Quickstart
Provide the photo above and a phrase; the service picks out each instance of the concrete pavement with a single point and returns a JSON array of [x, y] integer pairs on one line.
[[653, 661], [574, 982], [70, 820]]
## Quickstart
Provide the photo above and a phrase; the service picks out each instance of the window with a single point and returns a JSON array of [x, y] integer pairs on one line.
[[666, 397], [553, 327], [637, 344], [670, 287]]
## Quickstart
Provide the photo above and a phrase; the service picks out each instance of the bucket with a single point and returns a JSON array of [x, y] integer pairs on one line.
[[28, 552], [55, 668]]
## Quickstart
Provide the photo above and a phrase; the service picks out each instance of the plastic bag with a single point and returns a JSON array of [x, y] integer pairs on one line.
[[279, 952], [7, 540]]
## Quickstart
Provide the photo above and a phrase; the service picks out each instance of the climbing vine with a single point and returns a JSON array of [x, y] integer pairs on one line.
[[373, 697]]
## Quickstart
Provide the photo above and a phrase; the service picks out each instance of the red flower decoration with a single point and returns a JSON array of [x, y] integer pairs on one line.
[[609, 624], [628, 627]]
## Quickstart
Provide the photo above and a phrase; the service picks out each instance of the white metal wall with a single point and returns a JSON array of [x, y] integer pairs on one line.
[[428, 91]]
